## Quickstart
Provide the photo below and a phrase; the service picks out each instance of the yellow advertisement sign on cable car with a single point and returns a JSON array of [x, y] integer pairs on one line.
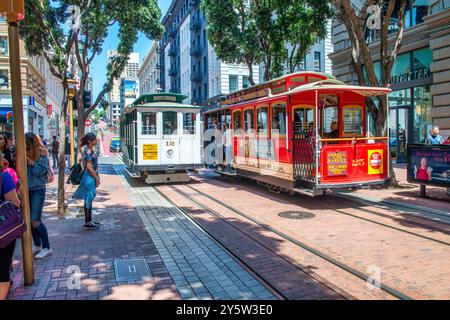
[[150, 151], [375, 161]]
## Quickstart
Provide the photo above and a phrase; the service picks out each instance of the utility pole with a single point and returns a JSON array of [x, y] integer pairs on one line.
[[14, 11], [72, 90]]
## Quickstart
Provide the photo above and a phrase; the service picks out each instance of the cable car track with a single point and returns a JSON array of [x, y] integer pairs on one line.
[[383, 215], [324, 256]]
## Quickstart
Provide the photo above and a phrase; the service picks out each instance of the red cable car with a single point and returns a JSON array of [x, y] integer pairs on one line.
[[304, 132]]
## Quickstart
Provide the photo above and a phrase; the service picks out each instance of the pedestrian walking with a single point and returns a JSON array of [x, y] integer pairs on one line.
[[67, 152], [227, 143], [7, 193], [37, 172], [90, 180], [434, 137], [5, 148], [55, 150]]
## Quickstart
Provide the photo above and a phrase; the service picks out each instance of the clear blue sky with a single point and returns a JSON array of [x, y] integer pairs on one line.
[[143, 45]]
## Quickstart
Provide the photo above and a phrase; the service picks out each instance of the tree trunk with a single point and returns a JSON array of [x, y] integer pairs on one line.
[[250, 73], [80, 131], [61, 159]]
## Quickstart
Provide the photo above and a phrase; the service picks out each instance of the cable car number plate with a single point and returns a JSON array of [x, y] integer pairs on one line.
[[150, 151]]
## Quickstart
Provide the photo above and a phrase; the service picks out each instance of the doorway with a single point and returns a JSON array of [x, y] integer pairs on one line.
[[399, 129]]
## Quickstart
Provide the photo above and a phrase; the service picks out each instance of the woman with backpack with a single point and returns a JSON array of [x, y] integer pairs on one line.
[[90, 179], [7, 193], [37, 172]]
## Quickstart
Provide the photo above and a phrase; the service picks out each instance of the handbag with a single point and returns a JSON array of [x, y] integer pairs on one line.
[[75, 175], [12, 224], [50, 175]]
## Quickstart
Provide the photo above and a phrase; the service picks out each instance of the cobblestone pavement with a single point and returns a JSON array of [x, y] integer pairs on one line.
[[122, 236], [411, 257], [184, 262], [199, 266]]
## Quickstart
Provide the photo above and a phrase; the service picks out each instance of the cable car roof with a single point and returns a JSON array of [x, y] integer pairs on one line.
[[161, 100]]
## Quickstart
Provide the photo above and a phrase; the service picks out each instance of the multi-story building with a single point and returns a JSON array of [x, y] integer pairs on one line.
[[129, 91], [148, 73], [114, 97], [189, 64], [33, 88], [420, 77], [54, 98]]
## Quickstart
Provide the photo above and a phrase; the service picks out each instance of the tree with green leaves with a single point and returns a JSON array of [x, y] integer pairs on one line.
[[304, 23], [232, 32], [263, 30], [362, 58], [64, 31]]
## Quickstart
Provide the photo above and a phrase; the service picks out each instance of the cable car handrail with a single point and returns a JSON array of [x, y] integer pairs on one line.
[[353, 139]]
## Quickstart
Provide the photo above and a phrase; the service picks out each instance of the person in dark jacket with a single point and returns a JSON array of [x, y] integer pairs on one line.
[[55, 150], [67, 151], [37, 172], [7, 193]]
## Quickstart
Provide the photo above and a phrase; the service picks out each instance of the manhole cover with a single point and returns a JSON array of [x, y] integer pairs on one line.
[[296, 215], [131, 270]]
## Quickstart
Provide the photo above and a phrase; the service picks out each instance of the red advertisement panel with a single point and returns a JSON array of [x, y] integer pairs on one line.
[[362, 162]]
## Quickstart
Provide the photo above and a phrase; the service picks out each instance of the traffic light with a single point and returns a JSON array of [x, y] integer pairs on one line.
[[87, 99], [9, 118]]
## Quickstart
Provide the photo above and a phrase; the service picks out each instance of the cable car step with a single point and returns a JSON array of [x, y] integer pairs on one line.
[[231, 174], [132, 174], [309, 192]]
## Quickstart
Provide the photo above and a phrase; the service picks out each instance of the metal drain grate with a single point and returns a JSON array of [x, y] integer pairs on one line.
[[163, 213], [131, 270], [297, 215]]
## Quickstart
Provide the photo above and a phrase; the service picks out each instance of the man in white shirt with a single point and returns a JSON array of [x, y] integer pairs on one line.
[[228, 143]]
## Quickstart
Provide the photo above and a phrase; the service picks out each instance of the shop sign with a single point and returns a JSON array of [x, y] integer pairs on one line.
[[49, 110], [421, 73]]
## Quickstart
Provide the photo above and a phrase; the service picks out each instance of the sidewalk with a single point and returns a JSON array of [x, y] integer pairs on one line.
[[409, 195], [122, 236]]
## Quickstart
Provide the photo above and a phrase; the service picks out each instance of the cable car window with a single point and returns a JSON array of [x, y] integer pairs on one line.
[[248, 121], [170, 124], [279, 119], [262, 120], [329, 104], [189, 121], [353, 120], [237, 120], [148, 123], [304, 118]]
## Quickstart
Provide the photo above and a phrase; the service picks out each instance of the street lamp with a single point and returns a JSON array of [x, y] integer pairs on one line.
[[14, 12], [72, 90]]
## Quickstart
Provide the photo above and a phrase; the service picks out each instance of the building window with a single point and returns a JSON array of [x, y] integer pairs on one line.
[[170, 124], [233, 83], [3, 45], [148, 124], [4, 79], [422, 102], [245, 82], [317, 64], [189, 121]]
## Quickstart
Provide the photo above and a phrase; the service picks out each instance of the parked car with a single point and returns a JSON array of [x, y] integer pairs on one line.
[[115, 145]]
